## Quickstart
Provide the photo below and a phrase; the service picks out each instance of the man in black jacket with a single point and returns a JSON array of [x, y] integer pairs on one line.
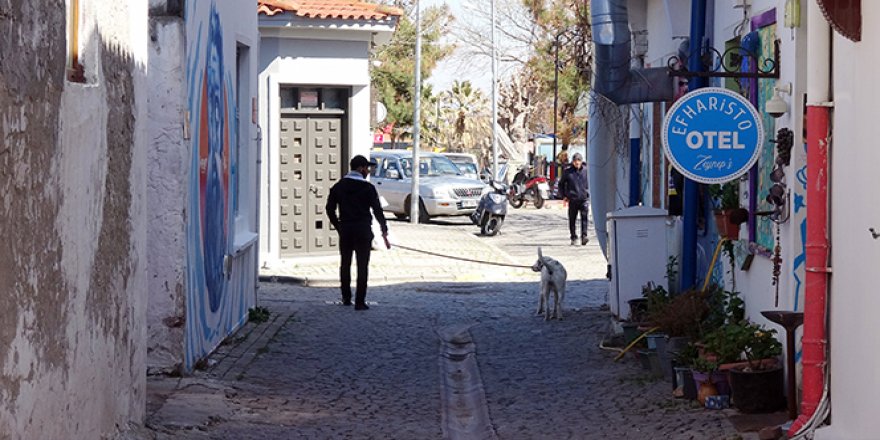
[[575, 189], [355, 196]]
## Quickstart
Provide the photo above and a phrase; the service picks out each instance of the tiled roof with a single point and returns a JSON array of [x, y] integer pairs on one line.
[[329, 9]]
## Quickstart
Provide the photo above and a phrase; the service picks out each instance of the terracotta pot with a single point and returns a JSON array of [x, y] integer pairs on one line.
[[725, 227], [718, 378], [705, 390]]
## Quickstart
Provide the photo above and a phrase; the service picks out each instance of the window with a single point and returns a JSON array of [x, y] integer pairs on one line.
[[314, 98], [75, 71]]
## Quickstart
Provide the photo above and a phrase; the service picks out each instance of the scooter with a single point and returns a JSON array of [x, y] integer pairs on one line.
[[526, 187], [492, 209]]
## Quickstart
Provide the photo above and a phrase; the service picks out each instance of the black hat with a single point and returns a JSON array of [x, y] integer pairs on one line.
[[361, 161]]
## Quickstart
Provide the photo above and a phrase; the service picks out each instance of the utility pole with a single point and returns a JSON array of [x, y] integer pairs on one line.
[[494, 102], [414, 169]]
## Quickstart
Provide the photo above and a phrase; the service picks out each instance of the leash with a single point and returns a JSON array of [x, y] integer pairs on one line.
[[470, 260]]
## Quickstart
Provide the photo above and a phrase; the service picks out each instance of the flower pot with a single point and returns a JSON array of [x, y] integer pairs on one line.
[[656, 365], [758, 391], [638, 309], [630, 332], [655, 340], [683, 384], [644, 359], [664, 356], [718, 379], [726, 228]]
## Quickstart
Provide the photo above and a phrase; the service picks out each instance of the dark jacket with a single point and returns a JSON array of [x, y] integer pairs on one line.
[[355, 198], [574, 185]]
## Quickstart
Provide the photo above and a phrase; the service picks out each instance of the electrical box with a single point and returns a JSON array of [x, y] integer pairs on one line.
[[640, 242]]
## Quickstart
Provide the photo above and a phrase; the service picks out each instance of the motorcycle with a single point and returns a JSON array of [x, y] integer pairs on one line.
[[526, 187], [492, 209]]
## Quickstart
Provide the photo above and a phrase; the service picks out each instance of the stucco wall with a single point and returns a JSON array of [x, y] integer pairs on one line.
[[292, 61], [73, 235], [854, 301], [169, 177]]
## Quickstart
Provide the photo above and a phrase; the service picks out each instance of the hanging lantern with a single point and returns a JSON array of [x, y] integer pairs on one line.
[[792, 13]]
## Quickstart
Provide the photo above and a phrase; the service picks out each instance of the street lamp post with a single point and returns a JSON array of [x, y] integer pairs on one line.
[[414, 198], [494, 101], [555, 93]]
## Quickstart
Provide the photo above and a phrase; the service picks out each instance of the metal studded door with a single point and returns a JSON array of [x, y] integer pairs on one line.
[[325, 147], [309, 164]]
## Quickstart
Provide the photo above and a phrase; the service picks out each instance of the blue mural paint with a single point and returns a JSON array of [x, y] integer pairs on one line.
[[214, 171], [217, 302]]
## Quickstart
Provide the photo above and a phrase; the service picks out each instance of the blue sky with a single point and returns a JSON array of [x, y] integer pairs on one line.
[[448, 70]]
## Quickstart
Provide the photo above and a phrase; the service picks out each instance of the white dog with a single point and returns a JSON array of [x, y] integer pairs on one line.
[[553, 276]]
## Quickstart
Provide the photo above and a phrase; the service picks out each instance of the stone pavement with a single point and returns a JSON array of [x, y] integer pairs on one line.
[[431, 360], [400, 265]]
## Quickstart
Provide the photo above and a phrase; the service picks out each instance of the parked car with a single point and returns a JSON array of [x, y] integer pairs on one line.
[[442, 189], [467, 163]]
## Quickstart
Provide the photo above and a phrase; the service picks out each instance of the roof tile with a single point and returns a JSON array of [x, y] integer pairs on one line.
[[328, 9]]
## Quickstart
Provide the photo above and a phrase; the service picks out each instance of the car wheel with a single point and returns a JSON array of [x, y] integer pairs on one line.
[[400, 216], [492, 225], [423, 212]]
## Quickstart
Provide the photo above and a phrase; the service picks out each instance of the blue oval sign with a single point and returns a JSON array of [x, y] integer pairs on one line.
[[712, 135]]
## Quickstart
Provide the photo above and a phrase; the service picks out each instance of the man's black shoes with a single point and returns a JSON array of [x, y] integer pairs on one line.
[[361, 307]]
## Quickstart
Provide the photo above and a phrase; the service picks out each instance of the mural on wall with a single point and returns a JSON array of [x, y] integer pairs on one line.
[[213, 308], [766, 228]]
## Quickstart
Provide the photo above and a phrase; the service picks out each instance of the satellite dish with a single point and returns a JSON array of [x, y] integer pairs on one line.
[[381, 112]]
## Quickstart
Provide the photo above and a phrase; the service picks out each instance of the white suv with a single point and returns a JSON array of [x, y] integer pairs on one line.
[[443, 190]]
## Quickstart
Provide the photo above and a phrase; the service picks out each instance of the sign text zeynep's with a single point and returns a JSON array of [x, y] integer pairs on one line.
[[712, 135]]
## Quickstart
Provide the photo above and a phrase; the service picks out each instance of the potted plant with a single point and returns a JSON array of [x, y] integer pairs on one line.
[[707, 379], [728, 215], [758, 384], [683, 384]]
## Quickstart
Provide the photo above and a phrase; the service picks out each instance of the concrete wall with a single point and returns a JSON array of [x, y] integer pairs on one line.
[[72, 227], [203, 190], [854, 253], [320, 62], [169, 174]]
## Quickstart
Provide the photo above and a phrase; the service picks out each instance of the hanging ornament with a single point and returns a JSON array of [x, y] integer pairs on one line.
[[777, 264]]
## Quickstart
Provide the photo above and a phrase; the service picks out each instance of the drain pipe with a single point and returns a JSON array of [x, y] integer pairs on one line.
[[691, 201], [615, 84], [815, 338]]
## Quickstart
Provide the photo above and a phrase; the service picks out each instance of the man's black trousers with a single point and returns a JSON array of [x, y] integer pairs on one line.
[[357, 243], [575, 208]]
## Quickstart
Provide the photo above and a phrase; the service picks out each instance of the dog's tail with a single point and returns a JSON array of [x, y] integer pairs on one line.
[[540, 255]]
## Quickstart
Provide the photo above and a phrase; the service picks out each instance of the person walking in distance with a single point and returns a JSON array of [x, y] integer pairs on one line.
[[355, 197], [575, 190]]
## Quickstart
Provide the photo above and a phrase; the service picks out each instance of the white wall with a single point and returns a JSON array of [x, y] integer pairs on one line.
[[755, 284], [854, 300], [74, 353], [168, 175], [316, 62]]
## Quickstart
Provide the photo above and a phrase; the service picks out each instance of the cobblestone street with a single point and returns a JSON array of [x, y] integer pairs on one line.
[[434, 359]]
